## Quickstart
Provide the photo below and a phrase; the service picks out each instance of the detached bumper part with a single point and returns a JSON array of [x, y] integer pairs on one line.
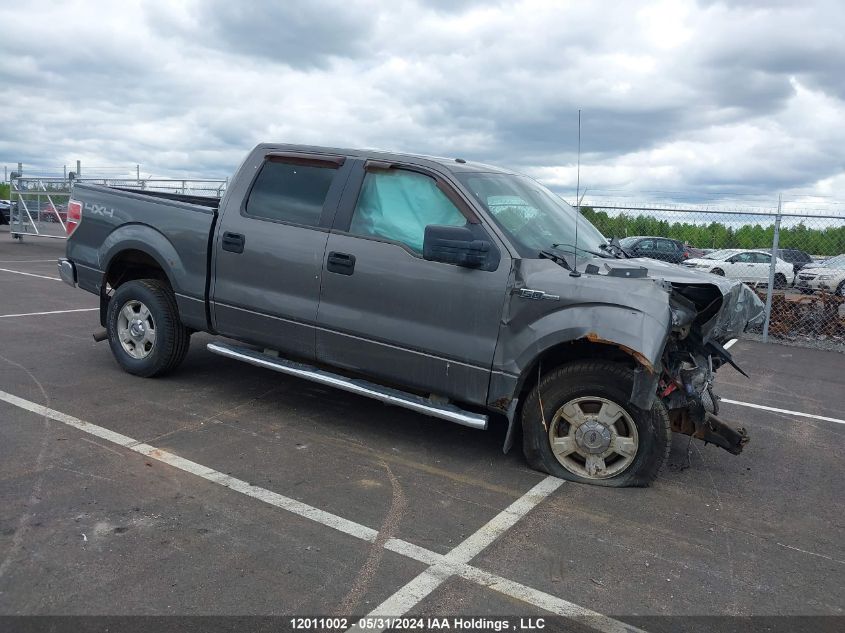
[[708, 428], [67, 271]]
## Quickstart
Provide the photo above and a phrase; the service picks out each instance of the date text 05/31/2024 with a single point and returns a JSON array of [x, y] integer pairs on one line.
[[419, 624]]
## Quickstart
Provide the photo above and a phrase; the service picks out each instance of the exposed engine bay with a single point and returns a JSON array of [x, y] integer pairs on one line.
[[703, 318]]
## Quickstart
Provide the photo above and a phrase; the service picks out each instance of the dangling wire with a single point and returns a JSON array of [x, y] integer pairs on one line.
[[540, 395]]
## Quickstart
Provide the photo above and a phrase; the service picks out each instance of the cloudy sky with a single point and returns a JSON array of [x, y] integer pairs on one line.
[[709, 99]]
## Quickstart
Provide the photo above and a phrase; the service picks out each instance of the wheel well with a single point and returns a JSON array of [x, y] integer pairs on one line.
[[580, 349], [133, 264]]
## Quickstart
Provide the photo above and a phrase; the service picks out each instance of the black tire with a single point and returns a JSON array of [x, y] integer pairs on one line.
[[780, 281], [718, 271], [172, 339], [594, 379], [840, 289]]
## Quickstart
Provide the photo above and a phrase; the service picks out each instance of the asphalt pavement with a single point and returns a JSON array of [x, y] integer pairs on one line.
[[92, 526]]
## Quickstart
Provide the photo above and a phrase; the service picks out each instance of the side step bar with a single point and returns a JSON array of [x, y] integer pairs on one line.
[[387, 395]]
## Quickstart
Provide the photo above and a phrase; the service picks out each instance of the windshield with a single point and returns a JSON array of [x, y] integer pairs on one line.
[[722, 254], [837, 262], [533, 217]]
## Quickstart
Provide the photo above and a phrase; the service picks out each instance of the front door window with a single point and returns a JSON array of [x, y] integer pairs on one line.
[[396, 205]]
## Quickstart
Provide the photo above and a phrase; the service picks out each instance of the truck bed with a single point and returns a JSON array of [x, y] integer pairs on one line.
[[175, 228], [203, 201]]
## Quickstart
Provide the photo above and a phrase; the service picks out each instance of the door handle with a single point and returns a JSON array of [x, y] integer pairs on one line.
[[233, 242], [341, 263]]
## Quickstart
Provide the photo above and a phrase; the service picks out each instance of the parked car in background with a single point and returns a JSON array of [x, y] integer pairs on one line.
[[692, 252], [5, 211], [828, 276], [749, 266], [54, 213], [799, 259], [661, 248]]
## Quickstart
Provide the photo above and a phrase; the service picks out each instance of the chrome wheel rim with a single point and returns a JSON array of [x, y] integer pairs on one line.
[[136, 329], [593, 438]]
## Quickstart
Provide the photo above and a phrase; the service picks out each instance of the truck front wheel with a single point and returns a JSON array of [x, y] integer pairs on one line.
[[578, 425], [145, 334]]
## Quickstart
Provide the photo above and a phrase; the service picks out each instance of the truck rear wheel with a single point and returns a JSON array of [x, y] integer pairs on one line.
[[145, 334], [578, 425]]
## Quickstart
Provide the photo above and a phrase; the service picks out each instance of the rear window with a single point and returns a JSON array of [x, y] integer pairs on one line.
[[286, 192]]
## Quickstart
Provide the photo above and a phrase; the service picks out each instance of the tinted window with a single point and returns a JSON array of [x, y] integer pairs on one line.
[[792, 256], [762, 258], [397, 205], [645, 245], [290, 193], [665, 246]]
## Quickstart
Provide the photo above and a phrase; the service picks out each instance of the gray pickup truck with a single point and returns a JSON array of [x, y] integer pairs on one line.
[[455, 289]]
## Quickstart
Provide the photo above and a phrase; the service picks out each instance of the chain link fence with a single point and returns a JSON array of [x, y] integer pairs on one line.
[[803, 285]]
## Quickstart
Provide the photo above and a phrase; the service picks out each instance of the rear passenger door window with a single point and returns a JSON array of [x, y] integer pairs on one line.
[[396, 205], [665, 249], [290, 192]]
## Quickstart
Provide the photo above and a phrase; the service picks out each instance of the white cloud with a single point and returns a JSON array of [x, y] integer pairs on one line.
[[696, 98]]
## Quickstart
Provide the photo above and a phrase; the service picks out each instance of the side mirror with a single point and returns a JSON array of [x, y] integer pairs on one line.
[[455, 245]]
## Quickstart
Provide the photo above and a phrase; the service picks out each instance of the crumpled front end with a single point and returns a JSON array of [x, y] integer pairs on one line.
[[706, 312], [705, 317], [672, 321]]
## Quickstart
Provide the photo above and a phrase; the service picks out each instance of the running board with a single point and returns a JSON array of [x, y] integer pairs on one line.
[[387, 395]]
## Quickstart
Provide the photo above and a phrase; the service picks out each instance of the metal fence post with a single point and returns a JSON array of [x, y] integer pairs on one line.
[[770, 289]]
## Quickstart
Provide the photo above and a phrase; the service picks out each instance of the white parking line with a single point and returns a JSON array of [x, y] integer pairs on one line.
[[26, 261], [18, 272], [417, 589], [23, 314], [454, 563], [812, 416]]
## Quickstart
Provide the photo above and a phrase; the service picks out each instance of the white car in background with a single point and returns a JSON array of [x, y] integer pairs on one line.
[[828, 275], [752, 267]]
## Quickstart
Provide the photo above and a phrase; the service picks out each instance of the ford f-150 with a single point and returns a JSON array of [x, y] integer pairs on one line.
[[452, 288]]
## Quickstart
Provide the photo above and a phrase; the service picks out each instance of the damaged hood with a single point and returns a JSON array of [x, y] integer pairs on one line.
[[634, 304], [723, 308]]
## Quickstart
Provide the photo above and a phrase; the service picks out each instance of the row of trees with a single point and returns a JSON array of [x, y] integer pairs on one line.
[[829, 240]]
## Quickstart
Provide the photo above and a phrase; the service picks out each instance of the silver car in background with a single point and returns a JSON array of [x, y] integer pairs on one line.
[[828, 276]]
